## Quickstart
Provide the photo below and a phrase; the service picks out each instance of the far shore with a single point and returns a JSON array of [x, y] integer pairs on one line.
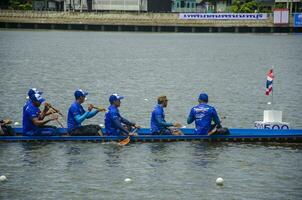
[[140, 19]]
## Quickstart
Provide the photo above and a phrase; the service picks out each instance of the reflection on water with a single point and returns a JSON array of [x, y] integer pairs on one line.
[[112, 155]]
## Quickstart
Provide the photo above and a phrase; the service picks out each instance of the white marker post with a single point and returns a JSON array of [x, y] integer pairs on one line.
[[272, 119]]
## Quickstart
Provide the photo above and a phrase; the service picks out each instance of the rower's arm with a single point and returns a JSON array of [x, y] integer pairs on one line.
[[119, 126], [127, 122], [191, 118], [92, 113], [81, 118], [216, 119], [42, 115], [162, 122], [45, 112], [37, 122]]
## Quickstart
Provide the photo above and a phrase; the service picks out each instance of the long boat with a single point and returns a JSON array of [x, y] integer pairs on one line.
[[236, 135]]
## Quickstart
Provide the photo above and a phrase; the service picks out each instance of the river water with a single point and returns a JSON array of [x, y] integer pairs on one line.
[[231, 68]]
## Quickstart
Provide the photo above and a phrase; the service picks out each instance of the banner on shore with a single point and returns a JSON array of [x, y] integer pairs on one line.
[[227, 16], [298, 19]]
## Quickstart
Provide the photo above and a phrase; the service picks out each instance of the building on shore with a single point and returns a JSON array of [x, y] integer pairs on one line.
[[159, 6], [106, 5], [57, 5], [204, 6], [184, 5]]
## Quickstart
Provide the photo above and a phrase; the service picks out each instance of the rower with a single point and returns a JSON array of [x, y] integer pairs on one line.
[[159, 126], [203, 114], [77, 114], [33, 118], [31, 92], [5, 128], [115, 124]]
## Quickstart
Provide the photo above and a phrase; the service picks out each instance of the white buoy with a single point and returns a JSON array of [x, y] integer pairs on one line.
[[27, 97], [3, 178], [269, 103], [219, 181], [16, 123], [101, 125], [146, 99], [127, 180]]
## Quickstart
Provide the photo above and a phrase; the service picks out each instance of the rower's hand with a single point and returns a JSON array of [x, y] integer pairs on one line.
[[54, 117], [100, 109], [137, 126], [53, 110], [90, 107], [132, 134], [7, 121], [177, 125], [47, 106]]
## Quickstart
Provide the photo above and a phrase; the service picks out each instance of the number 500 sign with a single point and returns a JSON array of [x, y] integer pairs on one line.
[[272, 126]]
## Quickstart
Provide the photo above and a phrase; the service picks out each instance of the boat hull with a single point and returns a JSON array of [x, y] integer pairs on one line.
[[236, 135]]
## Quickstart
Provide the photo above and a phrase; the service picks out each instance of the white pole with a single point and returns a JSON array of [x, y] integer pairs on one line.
[[81, 9]]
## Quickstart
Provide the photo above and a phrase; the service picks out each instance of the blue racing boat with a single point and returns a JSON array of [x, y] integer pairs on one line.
[[144, 135]]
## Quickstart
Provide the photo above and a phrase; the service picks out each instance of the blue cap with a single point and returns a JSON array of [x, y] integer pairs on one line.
[[33, 91], [115, 97], [37, 97], [203, 97], [80, 93]]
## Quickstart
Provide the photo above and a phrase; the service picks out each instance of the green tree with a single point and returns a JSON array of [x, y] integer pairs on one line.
[[20, 4], [236, 6], [249, 6]]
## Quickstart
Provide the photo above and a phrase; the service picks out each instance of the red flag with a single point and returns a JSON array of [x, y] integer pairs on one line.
[[269, 82]]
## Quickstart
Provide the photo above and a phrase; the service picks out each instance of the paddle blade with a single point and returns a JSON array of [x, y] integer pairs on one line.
[[212, 131], [125, 141]]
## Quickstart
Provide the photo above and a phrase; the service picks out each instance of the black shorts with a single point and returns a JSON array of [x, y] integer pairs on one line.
[[87, 130], [7, 130], [164, 131]]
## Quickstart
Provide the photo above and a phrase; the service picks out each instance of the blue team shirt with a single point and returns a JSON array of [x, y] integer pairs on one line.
[[74, 110], [24, 108], [111, 115], [29, 113], [203, 114], [158, 113], [26, 104]]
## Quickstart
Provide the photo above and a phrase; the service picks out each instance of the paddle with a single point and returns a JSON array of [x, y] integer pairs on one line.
[[127, 140], [212, 131], [99, 108], [175, 129], [57, 120], [56, 110]]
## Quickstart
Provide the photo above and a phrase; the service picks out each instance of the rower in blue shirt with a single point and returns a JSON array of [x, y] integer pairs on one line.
[[31, 92], [33, 118], [159, 126], [77, 114], [114, 122], [203, 114]]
